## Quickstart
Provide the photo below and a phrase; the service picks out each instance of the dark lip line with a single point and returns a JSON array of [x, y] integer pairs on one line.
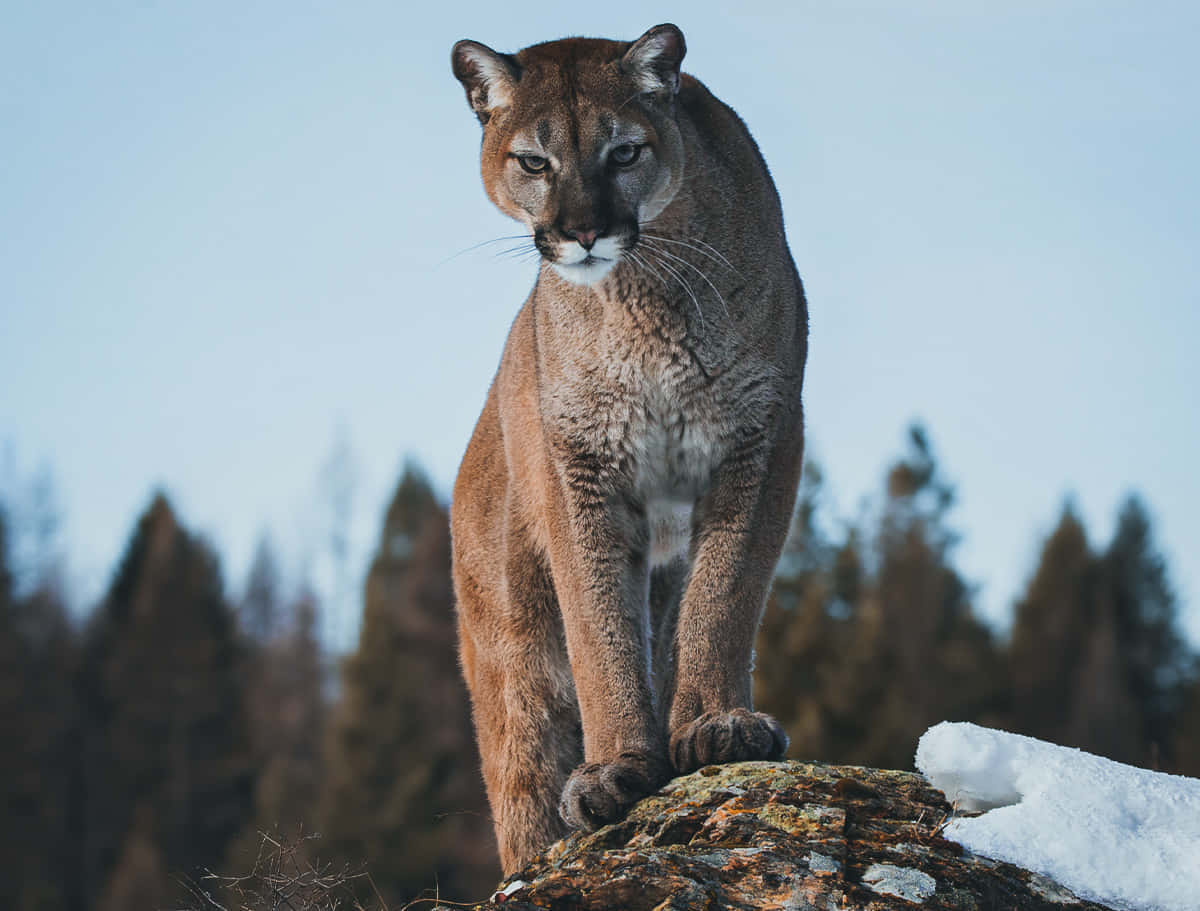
[[590, 260]]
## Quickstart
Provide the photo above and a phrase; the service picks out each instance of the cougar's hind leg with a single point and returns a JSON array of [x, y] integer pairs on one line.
[[523, 703]]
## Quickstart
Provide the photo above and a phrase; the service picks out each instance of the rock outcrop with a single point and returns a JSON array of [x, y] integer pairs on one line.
[[779, 835]]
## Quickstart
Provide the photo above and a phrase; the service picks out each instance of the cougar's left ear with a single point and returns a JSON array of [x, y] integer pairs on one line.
[[488, 77], [654, 59]]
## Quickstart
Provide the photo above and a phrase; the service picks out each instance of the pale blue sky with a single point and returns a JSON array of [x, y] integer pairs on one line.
[[225, 230]]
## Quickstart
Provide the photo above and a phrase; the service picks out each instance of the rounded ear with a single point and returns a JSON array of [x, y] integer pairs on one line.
[[488, 77], [654, 59]]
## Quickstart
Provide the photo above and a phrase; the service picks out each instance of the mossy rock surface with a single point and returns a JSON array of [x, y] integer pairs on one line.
[[780, 835]]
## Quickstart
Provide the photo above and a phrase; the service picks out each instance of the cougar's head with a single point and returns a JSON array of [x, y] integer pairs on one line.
[[580, 141]]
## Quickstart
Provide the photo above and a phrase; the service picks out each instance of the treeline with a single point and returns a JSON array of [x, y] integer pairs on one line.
[[180, 730], [870, 635]]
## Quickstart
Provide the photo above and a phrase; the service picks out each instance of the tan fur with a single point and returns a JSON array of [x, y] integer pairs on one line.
[[624, 499]]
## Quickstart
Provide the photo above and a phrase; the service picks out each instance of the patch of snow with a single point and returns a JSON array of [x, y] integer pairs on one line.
[[1111, 833], [903, 882]]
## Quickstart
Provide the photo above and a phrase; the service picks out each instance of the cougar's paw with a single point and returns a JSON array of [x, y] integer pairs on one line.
[[598, 793], [734, 736]]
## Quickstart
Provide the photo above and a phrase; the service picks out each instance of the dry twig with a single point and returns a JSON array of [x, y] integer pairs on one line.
[[283, 878]]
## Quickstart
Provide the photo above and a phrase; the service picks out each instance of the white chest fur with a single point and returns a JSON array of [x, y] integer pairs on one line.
[[674, 451], [658, 423]]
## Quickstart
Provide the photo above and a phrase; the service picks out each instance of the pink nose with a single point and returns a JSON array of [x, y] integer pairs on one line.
[[586, 237]]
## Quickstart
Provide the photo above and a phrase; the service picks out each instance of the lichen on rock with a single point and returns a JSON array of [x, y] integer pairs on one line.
[[779, 835], [903, 882]]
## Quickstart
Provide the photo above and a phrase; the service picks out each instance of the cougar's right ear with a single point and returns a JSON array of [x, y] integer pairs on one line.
[[488, 77], [654, 59]]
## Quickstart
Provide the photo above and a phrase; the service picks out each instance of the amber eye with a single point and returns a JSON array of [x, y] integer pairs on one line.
[[625, 155], [533, 164]]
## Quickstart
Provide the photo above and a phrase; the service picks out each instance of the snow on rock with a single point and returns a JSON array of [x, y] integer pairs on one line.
[[1125, 837]]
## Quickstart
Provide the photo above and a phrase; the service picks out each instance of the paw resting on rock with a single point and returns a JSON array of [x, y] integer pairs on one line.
[[717, 737], [598, 793]]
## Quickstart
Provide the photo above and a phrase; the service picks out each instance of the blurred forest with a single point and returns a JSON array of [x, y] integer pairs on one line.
[[183, 727]]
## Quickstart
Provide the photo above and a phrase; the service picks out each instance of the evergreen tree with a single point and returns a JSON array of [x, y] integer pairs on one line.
[[1187, 733], [1052, 626], [869, 641], [936, 661], [1103, 715], [140, 879], [38, 727], [259, 612], [1097, 660], [165, 752], [801, 672], [286, 708], [402, 792], [289, 783], [1155, 662]]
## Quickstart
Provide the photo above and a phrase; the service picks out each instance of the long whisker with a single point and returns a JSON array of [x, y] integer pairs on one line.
[[714, 255], [645, 264], [494, 240], [654, 254], [696, 269], [517, 250], [529, 255]]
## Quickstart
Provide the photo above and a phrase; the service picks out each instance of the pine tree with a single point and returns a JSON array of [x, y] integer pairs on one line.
[[1097, 660], [800, 670], [402, 792], [259, 612], [289, 782], [1103, 714], [38, 726], [1051, 629], [1187, 733], [1153, 661], [934, 659], [165, 748], [140, 878], [286, 709], [870, 640]]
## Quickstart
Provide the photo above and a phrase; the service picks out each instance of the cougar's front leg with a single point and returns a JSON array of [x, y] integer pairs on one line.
[[599, 562], [739, 531]]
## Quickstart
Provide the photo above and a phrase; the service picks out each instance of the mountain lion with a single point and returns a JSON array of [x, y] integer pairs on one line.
[[625, 496]]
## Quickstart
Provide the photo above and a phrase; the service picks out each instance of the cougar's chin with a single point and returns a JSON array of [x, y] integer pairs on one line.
[[588, 272], [586, 267]]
